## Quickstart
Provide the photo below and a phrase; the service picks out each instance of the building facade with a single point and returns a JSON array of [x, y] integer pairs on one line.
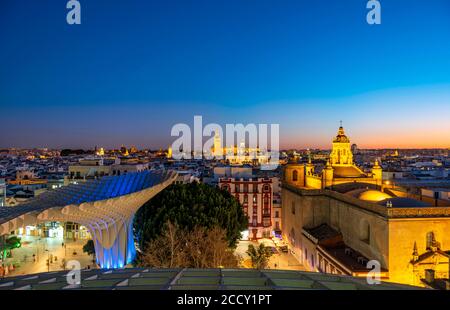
[[354, 226], [256, 197], [340, 168]]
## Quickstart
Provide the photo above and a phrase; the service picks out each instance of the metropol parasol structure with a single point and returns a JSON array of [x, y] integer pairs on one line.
[[106, 206]]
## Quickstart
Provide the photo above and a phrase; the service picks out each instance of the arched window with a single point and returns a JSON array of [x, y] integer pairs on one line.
[[295, 175]]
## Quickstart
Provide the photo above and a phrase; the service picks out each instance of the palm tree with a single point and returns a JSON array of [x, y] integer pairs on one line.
[[259, 255]]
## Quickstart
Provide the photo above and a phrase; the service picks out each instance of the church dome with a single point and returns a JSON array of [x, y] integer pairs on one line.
[[341, 137], [373, 195]]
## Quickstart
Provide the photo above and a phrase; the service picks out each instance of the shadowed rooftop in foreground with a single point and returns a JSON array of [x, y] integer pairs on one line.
[[194, 279]]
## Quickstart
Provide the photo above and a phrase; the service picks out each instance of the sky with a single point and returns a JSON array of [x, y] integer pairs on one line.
[[135, 68]]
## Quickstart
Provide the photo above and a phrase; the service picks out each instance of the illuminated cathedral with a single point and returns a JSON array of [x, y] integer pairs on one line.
[[340, 168], [342, 220]]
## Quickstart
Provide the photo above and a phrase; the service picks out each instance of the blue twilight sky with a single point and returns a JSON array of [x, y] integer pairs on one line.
[[135, 68]]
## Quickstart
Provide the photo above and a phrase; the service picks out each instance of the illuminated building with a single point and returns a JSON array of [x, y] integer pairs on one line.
[[133, 149], [106, 206], [340, 168], [256, 196], [124, 150], [169, 152], [100, 152], [239, 155], [218, 147], [339, 221], [92, 167]]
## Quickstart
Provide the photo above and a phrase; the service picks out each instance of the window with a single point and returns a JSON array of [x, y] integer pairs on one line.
[[237, 188], [365, 231], [245, 188], [312, 260], [266, 188], [293, 207], [245, 199], [254, 199], [277, 214], [295, 176], [430, 239], [292, 236]]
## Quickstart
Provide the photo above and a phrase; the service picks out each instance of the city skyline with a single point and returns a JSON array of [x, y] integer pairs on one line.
[[131, 71]]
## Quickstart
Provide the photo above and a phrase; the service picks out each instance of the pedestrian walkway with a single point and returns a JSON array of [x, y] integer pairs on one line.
[[32, 256], [279, 260]]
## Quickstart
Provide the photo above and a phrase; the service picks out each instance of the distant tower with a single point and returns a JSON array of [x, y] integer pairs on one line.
[[328, 175], [309, 170], [341, 153], [169, 152], [354, 148], [218, 150], [377, 172]]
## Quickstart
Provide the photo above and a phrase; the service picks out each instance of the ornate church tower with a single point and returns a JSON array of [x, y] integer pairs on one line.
[[218, 150], [377, 172], [328, 175], [342, 152]]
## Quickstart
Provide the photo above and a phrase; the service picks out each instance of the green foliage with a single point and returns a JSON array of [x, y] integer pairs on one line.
[[13, 242], [190, 205], [259, 255], [7, 245], [89, 247]]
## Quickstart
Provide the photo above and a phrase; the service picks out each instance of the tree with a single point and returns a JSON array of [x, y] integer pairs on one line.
[[89, 248], [189, 206], [259, 255], [7, 245], [165, 251], [181, 248]]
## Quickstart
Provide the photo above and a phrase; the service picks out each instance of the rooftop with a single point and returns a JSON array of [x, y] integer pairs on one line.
[[89, 191], [193, 279]]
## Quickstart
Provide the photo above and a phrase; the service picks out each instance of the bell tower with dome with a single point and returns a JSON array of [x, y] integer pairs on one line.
[[339, 169], [341, 153]]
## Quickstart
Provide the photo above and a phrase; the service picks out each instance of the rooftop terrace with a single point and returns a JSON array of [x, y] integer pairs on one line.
[[194, 279]]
